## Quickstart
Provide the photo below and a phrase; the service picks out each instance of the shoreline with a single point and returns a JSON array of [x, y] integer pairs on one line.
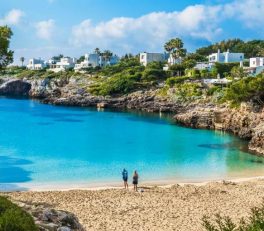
[[55, 187]]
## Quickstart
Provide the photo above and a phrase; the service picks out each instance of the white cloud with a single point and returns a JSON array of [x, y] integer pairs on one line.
[[45, 29], [148, 31], [250, 12], [13, 17]]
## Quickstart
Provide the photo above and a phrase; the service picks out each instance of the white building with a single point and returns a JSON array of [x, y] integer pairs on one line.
[[90, 60], [95, 60], [146, 58], [64, 64], [172, 60], [226, 57], [256, 62], [36, 64]]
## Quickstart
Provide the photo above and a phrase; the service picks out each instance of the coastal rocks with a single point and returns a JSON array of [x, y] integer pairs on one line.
[[48, 219], [256, 144], [15, 88], [46, 88], [243, 122], [197, 118]]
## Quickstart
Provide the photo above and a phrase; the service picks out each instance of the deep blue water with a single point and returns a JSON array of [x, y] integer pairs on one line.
[[49, 144]]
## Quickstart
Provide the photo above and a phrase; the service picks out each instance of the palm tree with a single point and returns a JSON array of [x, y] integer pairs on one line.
[[107, 55], [97, 51], [175, 48], [22, 59]]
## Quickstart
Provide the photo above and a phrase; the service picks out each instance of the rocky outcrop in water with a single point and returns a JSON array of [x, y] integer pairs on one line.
[[246, 122]]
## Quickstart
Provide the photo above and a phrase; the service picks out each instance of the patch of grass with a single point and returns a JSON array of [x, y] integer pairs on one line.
[[13, 218]]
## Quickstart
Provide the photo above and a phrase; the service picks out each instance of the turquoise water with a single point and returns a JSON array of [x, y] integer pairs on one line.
[[44, 144]]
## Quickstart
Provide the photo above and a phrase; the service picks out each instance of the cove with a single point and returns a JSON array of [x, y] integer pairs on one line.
[[55, 145]]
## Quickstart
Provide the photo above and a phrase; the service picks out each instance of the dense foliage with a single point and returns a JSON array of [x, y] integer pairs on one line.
[[13, 218], [255, 222], [223, 69], [251, 48], [6, 55], [250, 88], [126, 76]]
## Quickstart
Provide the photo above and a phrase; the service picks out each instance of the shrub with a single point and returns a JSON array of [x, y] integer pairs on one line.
[[175, 80], [213, 89], [255, 222], [251, 88], [153, 74], [222, 68], [13, 218]]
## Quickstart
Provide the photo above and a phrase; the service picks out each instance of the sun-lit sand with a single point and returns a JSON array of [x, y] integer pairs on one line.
[[157, 208]]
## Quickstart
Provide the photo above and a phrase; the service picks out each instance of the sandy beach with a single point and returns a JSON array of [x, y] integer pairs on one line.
[[177, 207]]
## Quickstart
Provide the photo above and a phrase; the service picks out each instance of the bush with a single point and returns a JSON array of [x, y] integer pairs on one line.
[[255, 222], [175, 80], [153, 74], [224, 68], [114, 85], [213, 89], [13, 218], [251, 88]]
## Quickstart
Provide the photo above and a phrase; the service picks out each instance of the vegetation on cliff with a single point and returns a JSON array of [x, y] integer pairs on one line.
[[13, 218]]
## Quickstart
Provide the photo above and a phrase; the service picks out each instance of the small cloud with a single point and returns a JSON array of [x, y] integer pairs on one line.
[[13, 17], [45, 29]]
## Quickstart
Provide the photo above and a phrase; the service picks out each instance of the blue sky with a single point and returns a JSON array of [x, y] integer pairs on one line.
[[44, 28]]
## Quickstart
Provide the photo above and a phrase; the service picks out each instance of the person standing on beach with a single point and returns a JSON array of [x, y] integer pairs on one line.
[[125, 177], [135, 180]]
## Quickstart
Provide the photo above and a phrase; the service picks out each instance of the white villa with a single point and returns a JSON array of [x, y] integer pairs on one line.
[[226, 57], [256, 66], [36, 64], [146, 57], [90, 60], [256, 62], [95, 60], [65, 63]]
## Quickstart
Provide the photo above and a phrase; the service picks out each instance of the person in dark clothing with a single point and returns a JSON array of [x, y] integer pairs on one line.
[[135, 181], [125, 178]]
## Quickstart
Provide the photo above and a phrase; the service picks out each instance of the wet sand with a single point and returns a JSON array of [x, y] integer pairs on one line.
[[157, 208]]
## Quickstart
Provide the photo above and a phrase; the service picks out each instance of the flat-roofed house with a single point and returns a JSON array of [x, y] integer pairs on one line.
[[146, 58], [64, 64], [226, 57], [36, 64]]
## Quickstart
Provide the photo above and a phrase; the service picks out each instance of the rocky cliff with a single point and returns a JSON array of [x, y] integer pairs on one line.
[[247, 122]]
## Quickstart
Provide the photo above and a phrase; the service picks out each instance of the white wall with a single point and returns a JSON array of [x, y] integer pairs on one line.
[[256, 62], [146, 58]]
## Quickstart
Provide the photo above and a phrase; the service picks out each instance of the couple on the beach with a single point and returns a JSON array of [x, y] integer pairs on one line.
[[135, 179]]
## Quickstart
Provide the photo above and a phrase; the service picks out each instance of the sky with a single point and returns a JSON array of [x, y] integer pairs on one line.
[[44, 28]]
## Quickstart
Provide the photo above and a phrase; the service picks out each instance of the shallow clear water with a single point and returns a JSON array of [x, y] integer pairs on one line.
[[49, 144]]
